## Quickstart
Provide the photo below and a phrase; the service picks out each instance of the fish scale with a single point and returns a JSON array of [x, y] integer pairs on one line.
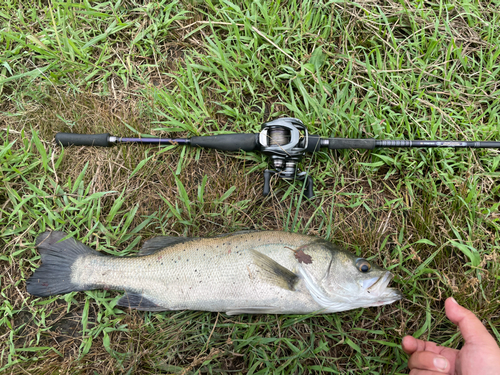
[[255, 272], [189, 273]]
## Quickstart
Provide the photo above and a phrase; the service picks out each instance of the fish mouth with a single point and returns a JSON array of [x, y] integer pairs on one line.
[[377, 287]]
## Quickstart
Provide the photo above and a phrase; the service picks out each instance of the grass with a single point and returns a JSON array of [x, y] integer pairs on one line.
[[389, 70]]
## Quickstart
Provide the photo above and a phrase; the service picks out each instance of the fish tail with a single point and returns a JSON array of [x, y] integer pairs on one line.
[[54, 275]]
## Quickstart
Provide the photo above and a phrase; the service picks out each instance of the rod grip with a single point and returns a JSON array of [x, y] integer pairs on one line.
[[228, 142], [314, 143], [486, 144], [73, 139], [347, 143]]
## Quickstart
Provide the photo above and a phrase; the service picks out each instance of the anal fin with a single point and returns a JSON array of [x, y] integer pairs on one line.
[[139, 302]]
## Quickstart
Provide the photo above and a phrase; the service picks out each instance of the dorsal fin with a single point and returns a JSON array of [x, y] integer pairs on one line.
[[247, 231], [155, 244]]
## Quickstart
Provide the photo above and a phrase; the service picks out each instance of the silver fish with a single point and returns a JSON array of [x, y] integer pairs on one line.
[[244, 272]]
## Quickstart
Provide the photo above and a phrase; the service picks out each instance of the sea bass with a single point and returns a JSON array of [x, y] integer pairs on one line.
[[244, 272]]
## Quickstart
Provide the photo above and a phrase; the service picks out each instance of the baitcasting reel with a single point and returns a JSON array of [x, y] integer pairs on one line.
[[285, 141]]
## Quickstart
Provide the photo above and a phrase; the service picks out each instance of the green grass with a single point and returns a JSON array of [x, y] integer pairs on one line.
[[389, 70]]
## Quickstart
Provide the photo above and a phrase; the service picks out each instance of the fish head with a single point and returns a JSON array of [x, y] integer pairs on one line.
[[349, 282]]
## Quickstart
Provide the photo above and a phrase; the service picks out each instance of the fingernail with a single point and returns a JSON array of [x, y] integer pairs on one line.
[[453, 299], [441, 363]]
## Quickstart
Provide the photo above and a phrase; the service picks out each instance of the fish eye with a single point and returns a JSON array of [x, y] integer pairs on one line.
[[363, 265]]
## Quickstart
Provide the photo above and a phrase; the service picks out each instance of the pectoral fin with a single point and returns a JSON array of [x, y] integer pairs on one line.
[[273, 272]]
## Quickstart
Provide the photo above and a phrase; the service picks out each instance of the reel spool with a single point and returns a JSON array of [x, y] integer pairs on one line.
[[285, 141]]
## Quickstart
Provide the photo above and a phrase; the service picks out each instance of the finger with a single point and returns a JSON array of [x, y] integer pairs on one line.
[[424, 372], [429, 361], [473, 331], [411, 345]]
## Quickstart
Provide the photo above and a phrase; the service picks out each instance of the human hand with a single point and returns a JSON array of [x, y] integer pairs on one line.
[[479, 355]]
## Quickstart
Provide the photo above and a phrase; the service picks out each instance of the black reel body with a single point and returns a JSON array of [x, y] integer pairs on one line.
[[285, 141]]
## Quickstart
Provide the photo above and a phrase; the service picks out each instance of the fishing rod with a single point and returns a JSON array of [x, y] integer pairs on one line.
[[284, 140]]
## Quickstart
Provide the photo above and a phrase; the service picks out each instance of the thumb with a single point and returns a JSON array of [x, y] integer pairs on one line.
[[473, 331]]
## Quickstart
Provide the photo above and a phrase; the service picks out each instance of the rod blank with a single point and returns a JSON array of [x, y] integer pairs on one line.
[[151, 141], [453, 144]]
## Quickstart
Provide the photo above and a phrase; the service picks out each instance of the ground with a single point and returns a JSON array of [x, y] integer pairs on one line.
[[365, 69]]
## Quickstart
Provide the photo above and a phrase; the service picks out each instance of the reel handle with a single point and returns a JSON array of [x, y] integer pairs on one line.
[[309, 192], [267, 180], [308, 182]]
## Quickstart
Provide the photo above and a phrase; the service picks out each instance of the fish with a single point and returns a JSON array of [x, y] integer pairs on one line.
[[246, 272]]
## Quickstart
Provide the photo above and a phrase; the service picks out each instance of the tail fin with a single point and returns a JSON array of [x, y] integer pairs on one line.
[[54, 275]]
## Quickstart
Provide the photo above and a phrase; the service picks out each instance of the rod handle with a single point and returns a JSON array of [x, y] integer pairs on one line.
[[73, 139], [347, 143], [228, 142]]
